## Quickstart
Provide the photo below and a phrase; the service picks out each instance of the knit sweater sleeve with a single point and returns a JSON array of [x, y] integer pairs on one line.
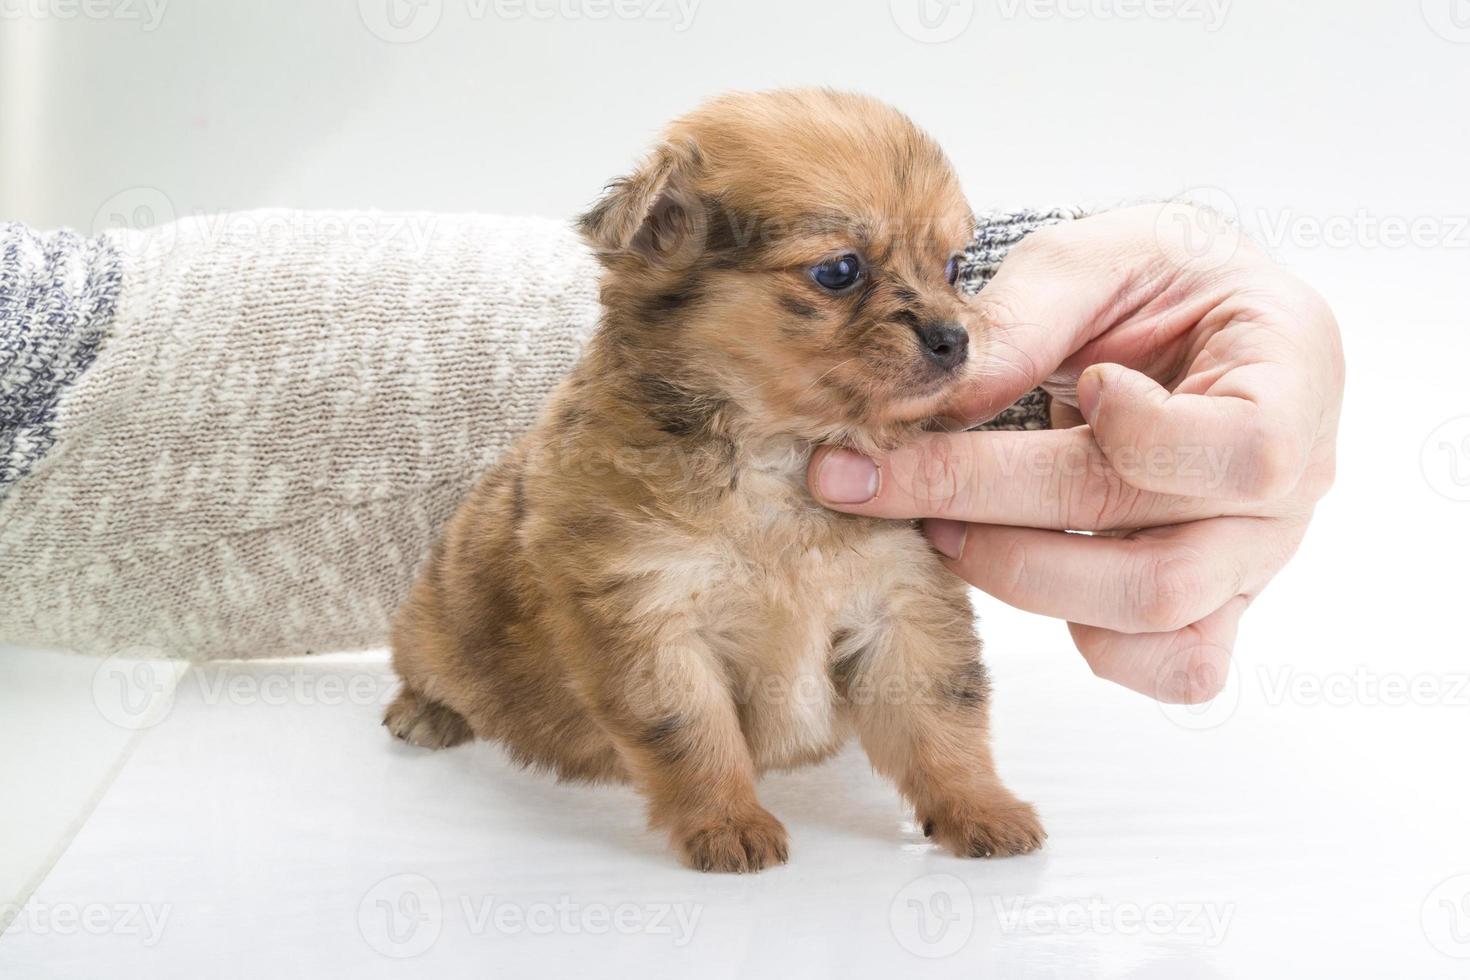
[[238, 435]]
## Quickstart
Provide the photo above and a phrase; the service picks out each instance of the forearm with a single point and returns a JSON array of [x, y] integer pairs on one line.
[[237, 435]]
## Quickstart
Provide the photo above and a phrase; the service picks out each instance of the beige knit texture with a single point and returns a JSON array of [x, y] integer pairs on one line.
[[188, 511]]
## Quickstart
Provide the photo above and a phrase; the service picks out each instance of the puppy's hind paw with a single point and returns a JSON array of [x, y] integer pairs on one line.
[[734, 843], [425, 723]]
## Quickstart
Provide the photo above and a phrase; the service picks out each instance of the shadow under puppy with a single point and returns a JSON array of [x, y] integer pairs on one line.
[[644, 589]]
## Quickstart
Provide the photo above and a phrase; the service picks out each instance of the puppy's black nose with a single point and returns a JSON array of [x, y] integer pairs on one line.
[[945, 344]]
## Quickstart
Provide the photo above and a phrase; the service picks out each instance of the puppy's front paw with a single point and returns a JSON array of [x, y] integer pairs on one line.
[[425, 723], [733, 843], [991, 830]]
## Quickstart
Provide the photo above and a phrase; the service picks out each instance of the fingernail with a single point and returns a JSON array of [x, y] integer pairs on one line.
[[1089, 393], [947, 537], [846, 477]]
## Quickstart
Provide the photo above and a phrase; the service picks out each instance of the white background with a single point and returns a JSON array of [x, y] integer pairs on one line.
[[1321, 803]]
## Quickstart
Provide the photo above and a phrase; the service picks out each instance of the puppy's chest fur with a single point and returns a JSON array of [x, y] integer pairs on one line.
[[782, 591]]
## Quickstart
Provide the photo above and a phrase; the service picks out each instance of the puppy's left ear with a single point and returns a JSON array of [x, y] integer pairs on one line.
[[653, 213]]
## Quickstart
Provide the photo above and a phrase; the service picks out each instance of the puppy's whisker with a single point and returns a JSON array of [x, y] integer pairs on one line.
[[758, 385], [823, 376]]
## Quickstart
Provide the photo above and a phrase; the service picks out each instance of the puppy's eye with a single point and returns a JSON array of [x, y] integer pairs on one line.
[[838, 274], [952, 271]]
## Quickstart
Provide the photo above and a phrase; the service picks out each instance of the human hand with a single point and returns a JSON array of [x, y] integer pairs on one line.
[[1196, 391]]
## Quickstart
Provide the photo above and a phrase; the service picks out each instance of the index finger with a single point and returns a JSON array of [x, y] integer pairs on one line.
[[1056, 479], [1050, 296]]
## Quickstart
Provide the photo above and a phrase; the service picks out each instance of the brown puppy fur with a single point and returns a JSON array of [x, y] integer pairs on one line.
[[644, 589]]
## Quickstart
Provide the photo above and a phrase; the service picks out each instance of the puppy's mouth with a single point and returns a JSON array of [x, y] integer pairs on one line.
[[923, 406], [923, 402]]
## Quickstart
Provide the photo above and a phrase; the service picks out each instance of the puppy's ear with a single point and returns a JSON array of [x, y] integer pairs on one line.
[[653, 213]]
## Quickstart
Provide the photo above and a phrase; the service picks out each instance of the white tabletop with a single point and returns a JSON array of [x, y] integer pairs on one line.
[[264, 825], [255, 821]]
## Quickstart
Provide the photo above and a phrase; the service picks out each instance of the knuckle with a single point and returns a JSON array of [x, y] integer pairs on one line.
[[1097, 498], [1275, 464], [941, 477], [1168, 591], [1011, 566]]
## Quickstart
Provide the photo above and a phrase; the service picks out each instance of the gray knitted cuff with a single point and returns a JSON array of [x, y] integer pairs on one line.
[[58, 294]]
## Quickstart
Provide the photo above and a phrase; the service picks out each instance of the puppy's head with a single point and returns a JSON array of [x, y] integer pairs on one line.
[[794, 253]]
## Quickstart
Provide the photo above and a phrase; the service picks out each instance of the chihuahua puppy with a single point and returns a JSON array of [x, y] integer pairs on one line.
[[644, 589]]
